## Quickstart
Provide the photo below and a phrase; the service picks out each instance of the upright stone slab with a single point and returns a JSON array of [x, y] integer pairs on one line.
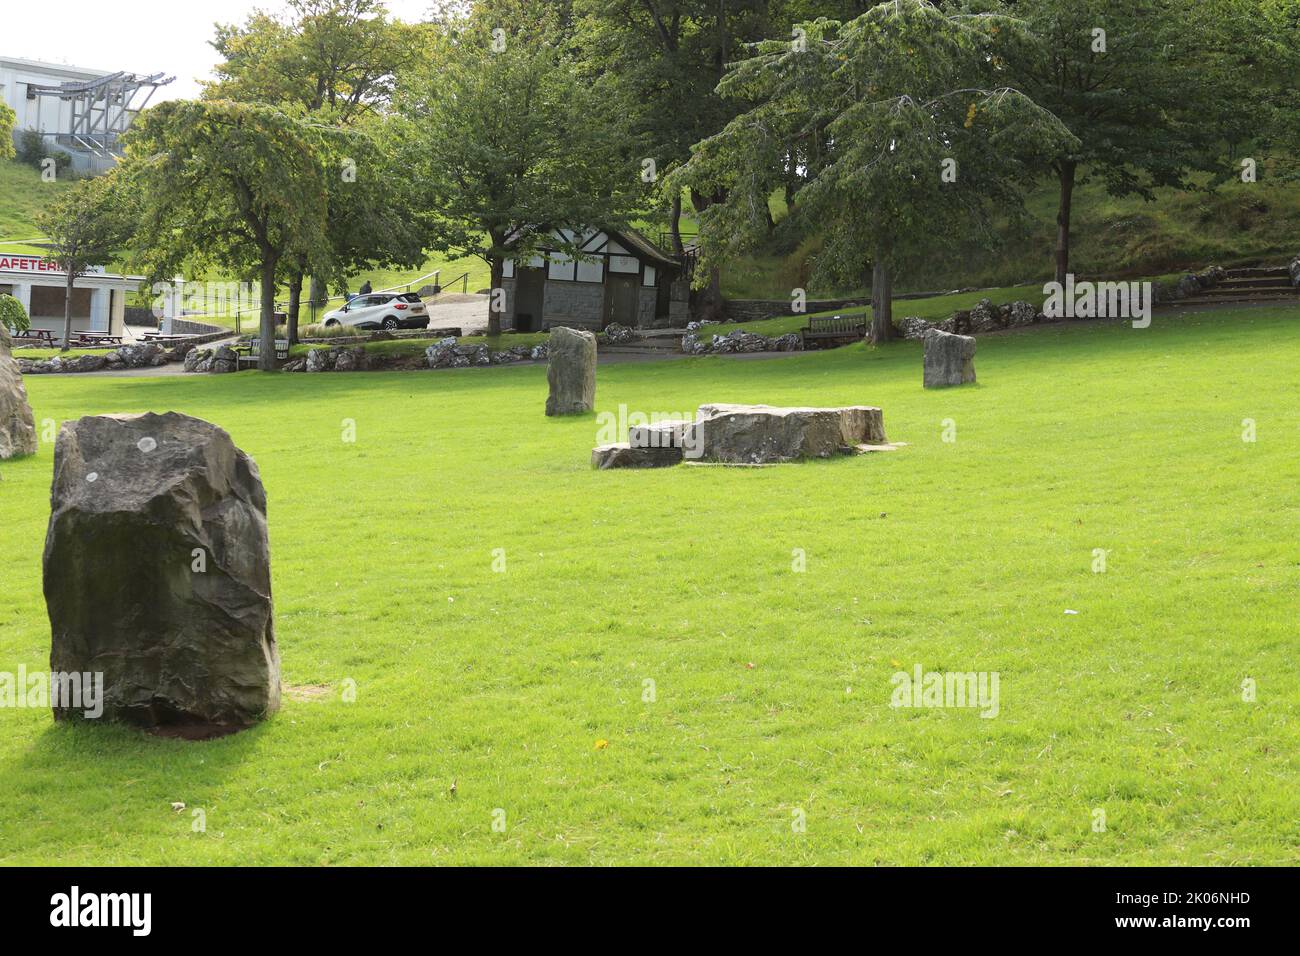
[[17, 426], [949, 359], [571, 372], [158, 572]]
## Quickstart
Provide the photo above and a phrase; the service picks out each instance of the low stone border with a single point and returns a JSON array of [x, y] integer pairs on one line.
[[139, 355], [738, 340]]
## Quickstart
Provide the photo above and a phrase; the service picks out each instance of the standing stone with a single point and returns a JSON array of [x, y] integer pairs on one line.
[[571, 373], [17, 426], [949, 359], [158, 573]]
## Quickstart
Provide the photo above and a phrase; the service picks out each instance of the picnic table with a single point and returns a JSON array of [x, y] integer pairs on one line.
[[165, 337], [97, 338], [43, 336]]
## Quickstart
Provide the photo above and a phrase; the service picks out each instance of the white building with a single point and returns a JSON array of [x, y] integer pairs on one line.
[[81, 111], [98, 299]]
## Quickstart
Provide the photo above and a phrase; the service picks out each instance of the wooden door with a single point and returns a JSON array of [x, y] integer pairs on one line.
[[620, 299]]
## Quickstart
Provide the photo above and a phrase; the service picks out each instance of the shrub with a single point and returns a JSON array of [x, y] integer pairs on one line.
[[12, 314]]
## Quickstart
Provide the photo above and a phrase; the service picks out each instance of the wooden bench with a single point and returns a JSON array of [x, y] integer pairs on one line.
[[96, 338], [249, 354], [836, 330], [43, 336]]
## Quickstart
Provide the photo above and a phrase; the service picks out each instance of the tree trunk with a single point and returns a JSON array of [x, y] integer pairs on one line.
[[316, 298], [1066, 174], [266, 354], [496, 297], [675, 225], [882, 301], [67, 310], [295, 301]]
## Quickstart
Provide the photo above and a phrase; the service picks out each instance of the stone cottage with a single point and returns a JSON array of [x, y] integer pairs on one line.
[[619, 276]]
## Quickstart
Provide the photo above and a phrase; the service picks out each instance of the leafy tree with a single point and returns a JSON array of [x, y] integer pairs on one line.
[[337, 61], [338, 58], [1149, 88], [659, 62], [85, 227], [12, 314], [238, 185], [921, 135], [8, 120], [501, 139]]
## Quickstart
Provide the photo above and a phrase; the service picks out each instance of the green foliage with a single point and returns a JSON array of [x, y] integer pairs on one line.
[[502, 142], [12, 314], [238, 185], [33, 151], [8, 119], [336, 58], [890, 100]]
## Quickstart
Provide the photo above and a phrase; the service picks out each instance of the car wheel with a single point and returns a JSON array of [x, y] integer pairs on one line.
[[390, 323], [331, 322]]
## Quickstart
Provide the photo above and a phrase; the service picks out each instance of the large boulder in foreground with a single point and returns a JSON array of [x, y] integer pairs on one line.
[[17, 426], [158, 573], [571, 373], [949, 359], [760, 434]]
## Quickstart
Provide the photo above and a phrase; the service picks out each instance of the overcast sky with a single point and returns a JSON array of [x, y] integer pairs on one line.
[[139, 36]]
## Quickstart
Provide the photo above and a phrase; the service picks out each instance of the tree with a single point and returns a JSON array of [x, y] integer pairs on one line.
[[84, 227], [8, 120], [232, 184], [12, 314], [501, 138], [659, 62], [339, 58], [371, 208], [1149, 89], [921, 139], [335, 61]]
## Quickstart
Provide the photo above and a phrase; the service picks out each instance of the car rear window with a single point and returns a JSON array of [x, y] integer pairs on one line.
[[409, 297]]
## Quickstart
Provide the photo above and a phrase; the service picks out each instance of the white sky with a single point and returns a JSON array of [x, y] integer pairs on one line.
[[139, 36]]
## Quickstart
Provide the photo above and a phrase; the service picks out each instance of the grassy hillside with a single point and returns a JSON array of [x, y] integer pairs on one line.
[[1238, 224], [22, 198]]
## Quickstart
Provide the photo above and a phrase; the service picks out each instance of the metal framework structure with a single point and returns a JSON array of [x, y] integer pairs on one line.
[[102, 109]]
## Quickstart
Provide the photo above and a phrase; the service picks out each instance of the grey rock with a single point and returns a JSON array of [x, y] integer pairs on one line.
[[949, 359], [668, 434], [616, 334], [540, 353], [17, 426], [350, 360], [320, 360], [760, 434], [85, 363], [135, 500], [913, 327], [985, 318], [1023, 313], [139, 355], [623, 455], [1187, 287], [571, 372]]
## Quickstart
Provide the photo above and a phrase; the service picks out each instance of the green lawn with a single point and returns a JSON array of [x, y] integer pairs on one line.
[[772, 688]]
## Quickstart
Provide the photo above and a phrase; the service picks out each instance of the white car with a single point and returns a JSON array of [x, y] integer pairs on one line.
[[381, 310]]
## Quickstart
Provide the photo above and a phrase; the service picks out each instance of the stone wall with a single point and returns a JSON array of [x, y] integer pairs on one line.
[[755, 310], [577, 305]]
